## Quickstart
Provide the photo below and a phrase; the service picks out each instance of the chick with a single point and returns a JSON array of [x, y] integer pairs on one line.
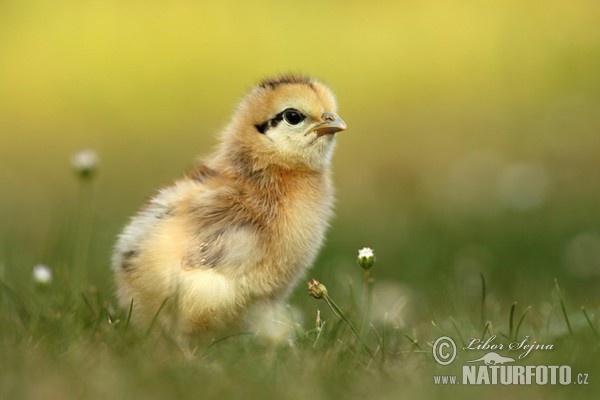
[[243, 227]]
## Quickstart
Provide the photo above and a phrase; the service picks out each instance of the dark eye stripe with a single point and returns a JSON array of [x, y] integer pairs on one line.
[[273, 122], [276, 120]]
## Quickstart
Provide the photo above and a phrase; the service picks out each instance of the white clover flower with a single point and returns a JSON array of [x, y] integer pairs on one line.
[[366, 252], [366, 257], [42, 274], [85, 162]]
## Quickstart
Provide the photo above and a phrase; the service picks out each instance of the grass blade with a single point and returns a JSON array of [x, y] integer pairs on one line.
[[587, 318], [413, 341], [460, 336], [521, 321], [19, 303], [510, 319], [162, 305], [222, 339], [129, 313], [438, 328], [486, 328], [483, 296], [353, 303], [88, 305], [562, 306]]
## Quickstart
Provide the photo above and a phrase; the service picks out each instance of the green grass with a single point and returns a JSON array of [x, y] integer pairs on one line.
[[67, 340], [371, 335]]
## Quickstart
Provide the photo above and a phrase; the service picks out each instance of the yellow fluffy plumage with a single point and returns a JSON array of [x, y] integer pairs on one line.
[[243, 227]]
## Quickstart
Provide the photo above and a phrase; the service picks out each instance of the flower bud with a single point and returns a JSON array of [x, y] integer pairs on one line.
[[85, 163], [316, 289], [42, 275], [366, 257]]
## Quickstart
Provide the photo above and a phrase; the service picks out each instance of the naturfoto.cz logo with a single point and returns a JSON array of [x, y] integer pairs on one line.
[[493, 368]]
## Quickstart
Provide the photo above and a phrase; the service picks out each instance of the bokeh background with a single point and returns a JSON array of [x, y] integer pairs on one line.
[[473, 143]]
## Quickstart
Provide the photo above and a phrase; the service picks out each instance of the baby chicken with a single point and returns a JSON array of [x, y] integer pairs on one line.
[[243, 227]]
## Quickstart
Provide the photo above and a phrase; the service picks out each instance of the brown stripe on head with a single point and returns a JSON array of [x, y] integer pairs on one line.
[[287, 79]]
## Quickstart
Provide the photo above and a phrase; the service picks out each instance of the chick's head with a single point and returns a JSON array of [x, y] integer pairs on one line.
[[289, 121]]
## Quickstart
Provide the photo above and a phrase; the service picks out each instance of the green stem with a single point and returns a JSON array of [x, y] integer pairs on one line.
[[366, 301], [341, 315], [84, 231]]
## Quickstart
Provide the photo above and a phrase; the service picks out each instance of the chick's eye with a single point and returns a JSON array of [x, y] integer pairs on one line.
[[293, 117]]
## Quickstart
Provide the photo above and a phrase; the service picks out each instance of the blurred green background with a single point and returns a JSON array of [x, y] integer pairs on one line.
[[473, 142]]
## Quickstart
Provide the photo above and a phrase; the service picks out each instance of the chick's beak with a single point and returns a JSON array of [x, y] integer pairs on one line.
[[332, 123]]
